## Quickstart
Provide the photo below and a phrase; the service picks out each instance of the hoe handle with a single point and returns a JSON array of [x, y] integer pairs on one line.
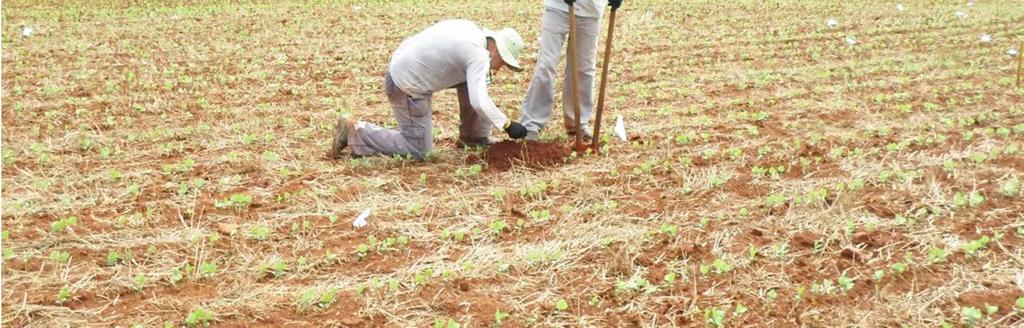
[[1020, 62], [604, 81], [574, 77]]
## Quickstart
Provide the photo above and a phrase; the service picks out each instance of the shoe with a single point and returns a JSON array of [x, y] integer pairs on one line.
[[341, 130], [473, 143], [586, 132], [532, 136]]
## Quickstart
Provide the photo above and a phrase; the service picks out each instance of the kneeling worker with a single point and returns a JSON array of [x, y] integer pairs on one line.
[[450, 54]]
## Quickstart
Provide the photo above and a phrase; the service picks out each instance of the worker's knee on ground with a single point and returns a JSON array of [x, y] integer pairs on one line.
[[417, 139]]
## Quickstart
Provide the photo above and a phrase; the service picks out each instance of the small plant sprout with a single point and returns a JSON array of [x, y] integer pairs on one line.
[[63, 295], [62, 224], [471, 171], [306, 299], [714, 317], [207, 269], [237, 201], [937, 255], [113, 258], [670, 278], [139, 282], [970, 316], [199, 317], [275, 267], [442, 323], [500, 316], [175, 276], [991, 309], [562, 305], [971, 248], [845, 283], [739, 310], [497, 227], [1010, 188], [60, 257], [898, 268], [260, 232], [771, 294], [669, 229]]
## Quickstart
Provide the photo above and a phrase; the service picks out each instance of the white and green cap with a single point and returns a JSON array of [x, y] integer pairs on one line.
[[509, 44]]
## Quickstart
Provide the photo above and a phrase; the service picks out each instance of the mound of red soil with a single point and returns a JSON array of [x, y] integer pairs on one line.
[[533, 154]]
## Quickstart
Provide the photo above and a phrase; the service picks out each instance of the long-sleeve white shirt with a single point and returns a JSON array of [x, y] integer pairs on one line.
[[444, 55], [584, 8]]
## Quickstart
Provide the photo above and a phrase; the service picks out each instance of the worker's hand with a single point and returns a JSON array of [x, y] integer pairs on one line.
[[569, 2], [615, 4], [515, 130]]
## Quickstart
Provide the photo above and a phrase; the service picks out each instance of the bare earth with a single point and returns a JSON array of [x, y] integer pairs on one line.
[[775, 174]]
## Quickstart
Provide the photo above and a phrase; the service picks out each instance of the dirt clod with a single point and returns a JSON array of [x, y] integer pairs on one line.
[[532, 154]]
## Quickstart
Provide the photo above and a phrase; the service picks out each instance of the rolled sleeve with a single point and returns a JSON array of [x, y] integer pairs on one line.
[[476, 83]]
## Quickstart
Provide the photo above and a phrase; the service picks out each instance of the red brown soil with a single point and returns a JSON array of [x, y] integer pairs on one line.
[[504, 155], [1003, 298]]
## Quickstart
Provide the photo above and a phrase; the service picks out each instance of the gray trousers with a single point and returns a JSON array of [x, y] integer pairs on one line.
[[415, 131], [541, 94]]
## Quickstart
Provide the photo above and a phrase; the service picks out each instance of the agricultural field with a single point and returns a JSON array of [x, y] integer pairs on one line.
[[789, 163]]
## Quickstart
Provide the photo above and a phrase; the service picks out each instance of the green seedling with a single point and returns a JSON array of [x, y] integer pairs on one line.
[[898, 268], [562, 305], [259, 232], [175, 276], [207, 269], [845, 283], [974, 199], [237, 201], [500, 316], [714, 317], [139, 282], [670, 278], [62, 224], [669, 229], [274, 267], [971, 248], [63, 295], [1010, 188], [739, 310], [970, 316], [199, 317], [60, 257], [937, 255], [113, 258], [450, 323], [497, 227], [471, 171]]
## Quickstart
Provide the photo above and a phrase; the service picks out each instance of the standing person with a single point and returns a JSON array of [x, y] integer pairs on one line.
[[540, 96], [450, 54]]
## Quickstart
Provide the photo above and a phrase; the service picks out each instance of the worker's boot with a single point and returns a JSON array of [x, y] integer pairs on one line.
[[532, 136], [586, 132], [341, 130], [473, 143]]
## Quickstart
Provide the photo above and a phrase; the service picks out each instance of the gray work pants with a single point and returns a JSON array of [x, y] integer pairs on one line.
[[415, 132], [540, 96]]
